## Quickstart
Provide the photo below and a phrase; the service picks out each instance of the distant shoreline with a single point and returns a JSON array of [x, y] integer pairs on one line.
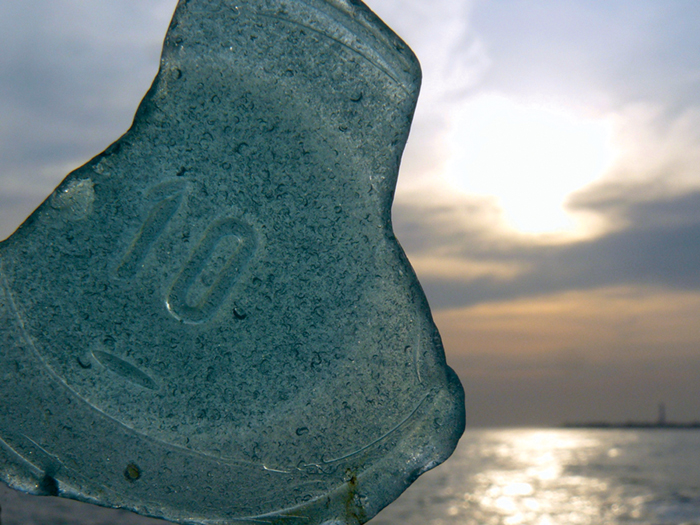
[[634, 425]]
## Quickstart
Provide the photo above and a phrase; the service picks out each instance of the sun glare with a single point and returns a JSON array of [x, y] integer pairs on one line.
[[531, 158]]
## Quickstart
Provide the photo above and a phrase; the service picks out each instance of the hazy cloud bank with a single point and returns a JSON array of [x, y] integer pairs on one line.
[[660, 245]]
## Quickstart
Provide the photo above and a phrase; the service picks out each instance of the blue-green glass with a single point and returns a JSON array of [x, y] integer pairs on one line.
[[212, 321]]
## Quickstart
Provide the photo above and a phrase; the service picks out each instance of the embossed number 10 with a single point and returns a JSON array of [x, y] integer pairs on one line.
[[212, 268]]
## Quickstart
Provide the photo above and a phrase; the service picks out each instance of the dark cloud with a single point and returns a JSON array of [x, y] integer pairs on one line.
[[683, 210], [443, 227], [646, 206], [659, 247]]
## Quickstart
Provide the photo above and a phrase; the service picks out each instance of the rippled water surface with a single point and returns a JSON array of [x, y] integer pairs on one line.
[[503, 477], [567, 477]]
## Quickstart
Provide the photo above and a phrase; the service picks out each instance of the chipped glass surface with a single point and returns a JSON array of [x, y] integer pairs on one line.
[[212, 321]]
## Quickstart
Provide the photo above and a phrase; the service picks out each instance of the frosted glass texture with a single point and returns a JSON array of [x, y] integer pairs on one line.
[[212, 321]]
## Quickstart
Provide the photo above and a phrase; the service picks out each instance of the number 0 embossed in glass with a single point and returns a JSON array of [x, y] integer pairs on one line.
[[212, 321]]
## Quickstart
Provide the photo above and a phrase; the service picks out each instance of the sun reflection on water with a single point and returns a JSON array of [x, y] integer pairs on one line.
[[535, 486], [558, 477]]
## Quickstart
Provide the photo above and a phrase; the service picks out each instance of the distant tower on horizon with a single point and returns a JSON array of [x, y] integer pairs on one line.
[[662, 415]]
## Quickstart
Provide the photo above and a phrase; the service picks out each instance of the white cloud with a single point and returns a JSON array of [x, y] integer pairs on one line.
[[452, 57], [453, 60]]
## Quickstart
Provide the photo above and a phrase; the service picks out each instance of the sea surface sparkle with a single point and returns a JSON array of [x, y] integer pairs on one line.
[[559, 477]]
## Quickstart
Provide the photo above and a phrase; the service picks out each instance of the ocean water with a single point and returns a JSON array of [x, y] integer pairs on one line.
[[502, 477], [559, 477]]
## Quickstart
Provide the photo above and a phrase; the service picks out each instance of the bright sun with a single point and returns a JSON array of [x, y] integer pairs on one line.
[[531, 158]]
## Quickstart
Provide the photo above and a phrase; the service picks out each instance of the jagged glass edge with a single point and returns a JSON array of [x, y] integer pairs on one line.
[[393, 476]]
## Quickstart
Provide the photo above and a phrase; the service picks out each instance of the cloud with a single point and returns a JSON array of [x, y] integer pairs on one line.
[[572, 328], [72, 75], [646, 203], [470, 269], [603, 54], [631, 63], [453, 61], [659, 246], [608, 354], [658, 155], [439, 32]]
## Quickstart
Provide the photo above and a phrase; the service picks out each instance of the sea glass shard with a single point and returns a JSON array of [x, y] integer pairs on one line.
[[212, 322]]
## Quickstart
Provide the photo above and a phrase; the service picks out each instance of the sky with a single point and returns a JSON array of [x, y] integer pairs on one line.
[[548, 199]]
